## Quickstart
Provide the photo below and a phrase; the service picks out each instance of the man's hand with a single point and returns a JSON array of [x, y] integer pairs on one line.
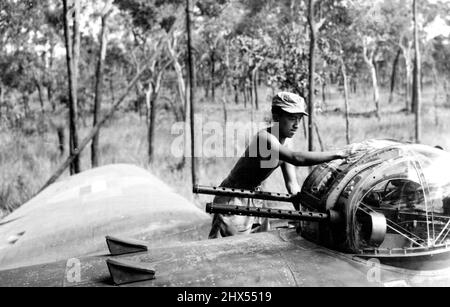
[[350, 154], [342, 154]]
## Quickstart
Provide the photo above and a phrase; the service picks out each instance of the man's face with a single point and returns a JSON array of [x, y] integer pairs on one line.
[[289, 123]]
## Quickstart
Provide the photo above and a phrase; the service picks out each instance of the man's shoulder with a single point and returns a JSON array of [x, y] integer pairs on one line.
[[266, 135]]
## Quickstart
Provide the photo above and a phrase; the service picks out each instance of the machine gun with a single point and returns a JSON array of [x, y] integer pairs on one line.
[[330, 216]]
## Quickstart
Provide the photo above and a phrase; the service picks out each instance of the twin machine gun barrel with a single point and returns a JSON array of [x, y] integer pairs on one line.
[[259, 212]]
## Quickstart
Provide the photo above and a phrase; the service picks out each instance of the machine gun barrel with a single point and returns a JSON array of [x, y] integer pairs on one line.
[[330, 216], [232, 192], [266, 212]]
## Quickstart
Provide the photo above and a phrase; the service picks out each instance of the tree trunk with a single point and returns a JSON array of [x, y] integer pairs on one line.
[[447, 92], [406, 50], [99, 90], [184, 97], [138, 98], [111, 89], [1, 102], [51, 82], [224, 107], [61, 139], [148, 105], [213, 76], [206, 87], [436, 94], [236, 94], [377, 72], [76, 60], [151, 120], [225, 112], [255, 86], [373, 75], [8, 110], [319, 138], [176, 110], [312, 51], [376, 92], [50, 98], [186, 116], [41, 96], [347, 121], [26, 106], [153, 97], [416, 81], [180, 79], [227, 76], [244, 93], [72, 56], [183, 84], [305, 130], [249, 86], [324, 98], [393, 75], [151, 127], [408, 87], [191, 92]]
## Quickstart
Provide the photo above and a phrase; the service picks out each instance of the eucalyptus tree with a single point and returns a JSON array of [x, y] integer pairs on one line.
[[339, 48], [371, 28], [156, 29], [21, 49], [400, 38], [417, 99], [252, 52], [284, 41], [313, 27], [72, 34], [232, 45], [213, 26], [99, 72]]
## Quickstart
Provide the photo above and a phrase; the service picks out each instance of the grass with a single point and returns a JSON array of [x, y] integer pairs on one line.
[[29, 156]]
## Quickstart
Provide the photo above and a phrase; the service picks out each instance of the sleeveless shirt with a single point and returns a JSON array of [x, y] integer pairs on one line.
[[250, 170]]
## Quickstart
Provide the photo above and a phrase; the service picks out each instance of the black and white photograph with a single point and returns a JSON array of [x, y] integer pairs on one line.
[[224, 149]]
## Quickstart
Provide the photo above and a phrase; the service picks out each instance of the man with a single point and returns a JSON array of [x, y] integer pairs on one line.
[[269, 149]]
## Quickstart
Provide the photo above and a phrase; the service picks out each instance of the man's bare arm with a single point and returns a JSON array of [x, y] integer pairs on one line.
[[290, 179], [299, 158], [308, 158]]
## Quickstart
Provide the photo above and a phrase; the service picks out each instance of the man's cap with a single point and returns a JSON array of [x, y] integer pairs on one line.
[[289, 102]]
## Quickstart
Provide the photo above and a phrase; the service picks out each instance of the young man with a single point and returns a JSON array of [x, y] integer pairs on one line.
[[269, 149]]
